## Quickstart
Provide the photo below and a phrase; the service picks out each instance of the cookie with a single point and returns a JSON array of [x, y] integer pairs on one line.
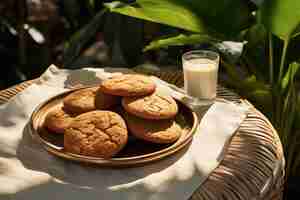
[[128, 85], [104, 101], [58, 120], [155, 131], [88, 99], [96, 133], [154, 106]]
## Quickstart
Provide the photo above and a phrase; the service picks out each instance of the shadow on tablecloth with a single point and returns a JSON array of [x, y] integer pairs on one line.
[[77, 177]]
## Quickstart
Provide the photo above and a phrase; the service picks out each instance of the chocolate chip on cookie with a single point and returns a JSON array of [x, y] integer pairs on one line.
[[154, 106], [128, 85], [96, 133], [156, 131], [58, 120]]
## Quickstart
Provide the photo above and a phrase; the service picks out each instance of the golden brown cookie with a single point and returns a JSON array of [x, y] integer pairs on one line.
[[128, 85], [96, 133], [88, 99], [156, 131], [154, 106], [58, 120]]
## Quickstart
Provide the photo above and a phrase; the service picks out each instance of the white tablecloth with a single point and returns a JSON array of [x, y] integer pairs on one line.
[[28, 172]]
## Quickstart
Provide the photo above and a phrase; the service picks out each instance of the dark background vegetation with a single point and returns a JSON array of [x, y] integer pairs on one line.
[[37, 33]]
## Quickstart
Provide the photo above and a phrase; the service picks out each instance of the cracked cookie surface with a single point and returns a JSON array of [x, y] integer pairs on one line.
[[58, 120], [88, 99], [156, 131], [154, 106], [128, 85], [96, 133]]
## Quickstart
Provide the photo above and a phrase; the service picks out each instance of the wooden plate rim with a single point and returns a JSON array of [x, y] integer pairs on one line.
[[113, 161]]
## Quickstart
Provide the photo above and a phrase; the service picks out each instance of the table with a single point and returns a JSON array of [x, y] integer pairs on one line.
[[253, 165]]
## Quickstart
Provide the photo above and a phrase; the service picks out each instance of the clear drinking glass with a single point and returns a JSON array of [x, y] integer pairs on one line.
[[200, 69]]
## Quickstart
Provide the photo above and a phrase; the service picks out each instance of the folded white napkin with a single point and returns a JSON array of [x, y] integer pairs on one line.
[[27, 171]]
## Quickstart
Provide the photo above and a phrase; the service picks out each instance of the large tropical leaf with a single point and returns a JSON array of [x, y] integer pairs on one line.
[[179, 40], [160, 11], [281, 17], [225, 16]]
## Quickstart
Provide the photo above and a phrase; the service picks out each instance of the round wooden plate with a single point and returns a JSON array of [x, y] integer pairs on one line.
[[136, 151]]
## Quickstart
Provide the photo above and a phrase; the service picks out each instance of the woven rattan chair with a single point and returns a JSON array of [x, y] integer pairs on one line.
[[253, 166]]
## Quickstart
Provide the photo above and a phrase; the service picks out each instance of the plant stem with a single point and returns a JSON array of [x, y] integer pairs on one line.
[[277, 91], [282, 61], [271, 80], [271, 66]]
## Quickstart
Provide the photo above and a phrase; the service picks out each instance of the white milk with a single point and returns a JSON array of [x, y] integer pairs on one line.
[[200, 78]]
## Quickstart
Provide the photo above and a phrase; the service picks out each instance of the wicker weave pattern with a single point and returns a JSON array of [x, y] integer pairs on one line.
[[252, 167], [5, 95]]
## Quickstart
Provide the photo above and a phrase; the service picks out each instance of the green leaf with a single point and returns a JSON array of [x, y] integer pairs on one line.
[[246, 84], [251, 84], [81, 37], [249, 87], [290, 75], [288, 115], [281, 17], [179, 40], [224, 16], [165, 12]]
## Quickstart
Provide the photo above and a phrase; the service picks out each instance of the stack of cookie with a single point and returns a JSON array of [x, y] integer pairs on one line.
[[94, 120]]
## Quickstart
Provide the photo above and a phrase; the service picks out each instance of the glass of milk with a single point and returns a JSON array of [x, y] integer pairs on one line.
[[200, 69]]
